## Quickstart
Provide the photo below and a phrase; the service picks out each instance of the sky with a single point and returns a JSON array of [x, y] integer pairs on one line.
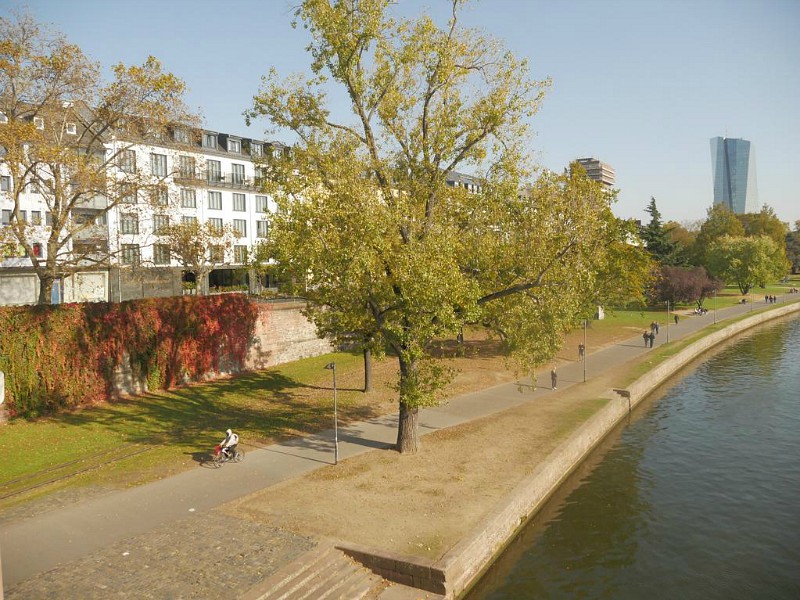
[[640, 84]]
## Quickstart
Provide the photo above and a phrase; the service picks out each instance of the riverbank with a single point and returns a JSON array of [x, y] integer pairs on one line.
[[405, 517], [479, 448]]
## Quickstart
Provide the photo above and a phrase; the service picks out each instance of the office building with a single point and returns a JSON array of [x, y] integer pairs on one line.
[[733, 168], [599, 171]]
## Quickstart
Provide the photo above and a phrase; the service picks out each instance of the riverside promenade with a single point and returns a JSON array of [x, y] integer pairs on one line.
[[166, 540]]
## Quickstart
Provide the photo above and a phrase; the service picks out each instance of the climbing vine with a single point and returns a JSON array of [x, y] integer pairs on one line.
[[58, 357]]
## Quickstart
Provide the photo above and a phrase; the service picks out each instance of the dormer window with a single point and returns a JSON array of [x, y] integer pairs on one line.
[[256, 149], [38, 122], [72, 129], [181, 136], [210, 140], [234, 145], [277, 152]]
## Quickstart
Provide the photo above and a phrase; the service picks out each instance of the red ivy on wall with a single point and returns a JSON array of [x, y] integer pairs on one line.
[[63, 356]]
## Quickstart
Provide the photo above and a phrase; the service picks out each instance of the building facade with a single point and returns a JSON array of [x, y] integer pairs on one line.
[[733, 169], [203, 177], [599, 171]]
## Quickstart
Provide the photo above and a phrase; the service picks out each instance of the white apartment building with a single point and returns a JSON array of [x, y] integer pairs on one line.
[[202, 176]]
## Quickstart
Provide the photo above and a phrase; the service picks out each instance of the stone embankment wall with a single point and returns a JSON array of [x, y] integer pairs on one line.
[[282, 335], [454, 573]]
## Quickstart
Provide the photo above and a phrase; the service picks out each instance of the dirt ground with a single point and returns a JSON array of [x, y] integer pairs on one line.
[[423, 504]]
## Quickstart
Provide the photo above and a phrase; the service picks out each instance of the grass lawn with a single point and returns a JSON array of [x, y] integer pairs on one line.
[[154, 435]]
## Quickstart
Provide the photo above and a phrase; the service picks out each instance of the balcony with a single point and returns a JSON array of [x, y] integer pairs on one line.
[[232, 181]]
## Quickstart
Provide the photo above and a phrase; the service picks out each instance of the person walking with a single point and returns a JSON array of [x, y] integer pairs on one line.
[[581, 351], [646, 337], [652, 338], [676, 319], [554, 378]]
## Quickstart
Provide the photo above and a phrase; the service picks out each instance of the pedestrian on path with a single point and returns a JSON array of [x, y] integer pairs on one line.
[[656, 322], [652, 338], [554, 378], [676, 319], [646, 337], [581, 351]]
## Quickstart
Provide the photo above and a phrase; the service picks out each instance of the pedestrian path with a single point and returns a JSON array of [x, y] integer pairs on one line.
[[38, 544]]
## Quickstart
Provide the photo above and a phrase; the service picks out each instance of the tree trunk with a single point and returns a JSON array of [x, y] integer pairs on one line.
[[367, 370], [407, 439], [45, 289]]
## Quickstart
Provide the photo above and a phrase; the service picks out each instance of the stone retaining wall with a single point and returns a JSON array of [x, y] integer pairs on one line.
[[457, 570]]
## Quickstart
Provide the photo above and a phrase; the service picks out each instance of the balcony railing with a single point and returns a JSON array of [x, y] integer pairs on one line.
[[223, 180]]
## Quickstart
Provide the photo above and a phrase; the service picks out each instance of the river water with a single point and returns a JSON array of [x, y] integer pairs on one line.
[[698, 496]]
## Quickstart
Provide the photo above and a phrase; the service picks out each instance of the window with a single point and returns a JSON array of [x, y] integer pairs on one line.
[[181, 136], [36, 217], [217, 254], [215, 200], [129, 224], [128, 196], [239, 202], [48, 218], [3, 118], [160, 196], [126, 160], [234, 145], [240, 227], [6, 217], [38, 122], [23, 216], [256, 149], [5, 183], [161, 254], [261, 204], [262, 227], [214, 171], [186, 166], [188, 220], [130, 254], [215, 223], [210, 140], [240, 254], [158, 165], [238, 173], [188, 198], [160, 224], [72, 129], [277, 152]]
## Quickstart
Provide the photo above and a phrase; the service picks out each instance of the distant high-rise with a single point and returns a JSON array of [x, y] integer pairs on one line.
[[733, 167], [599, 171]]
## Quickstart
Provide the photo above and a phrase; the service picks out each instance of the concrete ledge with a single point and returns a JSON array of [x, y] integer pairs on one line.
[[456, 571]]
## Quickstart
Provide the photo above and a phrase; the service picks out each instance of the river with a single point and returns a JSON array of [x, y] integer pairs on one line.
[[698, 496]]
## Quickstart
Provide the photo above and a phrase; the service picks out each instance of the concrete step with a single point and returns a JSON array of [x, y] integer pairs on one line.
[[322, 573]]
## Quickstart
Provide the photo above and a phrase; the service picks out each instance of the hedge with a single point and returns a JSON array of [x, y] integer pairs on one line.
[[64, 356]]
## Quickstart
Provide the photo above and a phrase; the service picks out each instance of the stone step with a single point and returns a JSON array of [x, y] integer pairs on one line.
[[322, 573]]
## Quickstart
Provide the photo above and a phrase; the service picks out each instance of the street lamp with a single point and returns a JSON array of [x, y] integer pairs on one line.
[[668, 321], [715, 307], [584, 350], [331, 366]]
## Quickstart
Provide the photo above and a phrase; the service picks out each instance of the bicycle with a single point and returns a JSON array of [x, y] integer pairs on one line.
[[220, 457]]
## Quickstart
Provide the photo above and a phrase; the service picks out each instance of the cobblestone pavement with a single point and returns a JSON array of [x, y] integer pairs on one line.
[[208, 555]]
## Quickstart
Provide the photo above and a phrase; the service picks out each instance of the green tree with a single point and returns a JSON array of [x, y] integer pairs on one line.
[[765, 222], [59, 118], [720, 221], [793, 247], [656, 237], [368, 227], [682, 238], [746, 261]]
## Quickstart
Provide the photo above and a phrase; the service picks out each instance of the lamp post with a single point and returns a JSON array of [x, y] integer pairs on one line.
[[331, 366], [584, 350], [668, 321]]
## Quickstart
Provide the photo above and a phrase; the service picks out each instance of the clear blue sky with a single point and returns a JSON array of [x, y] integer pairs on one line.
[[640, 84]]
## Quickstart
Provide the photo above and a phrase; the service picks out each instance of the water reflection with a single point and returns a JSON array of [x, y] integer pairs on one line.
[[698, 498]]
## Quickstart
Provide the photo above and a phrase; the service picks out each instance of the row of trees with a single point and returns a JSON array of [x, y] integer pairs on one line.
[[746, 250]]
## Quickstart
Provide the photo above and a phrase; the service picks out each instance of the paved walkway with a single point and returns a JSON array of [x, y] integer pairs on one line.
[[34, 546]]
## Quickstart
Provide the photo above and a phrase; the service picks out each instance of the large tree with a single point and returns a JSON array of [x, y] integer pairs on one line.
[[793, 247], [59, 122], [656, 238], [384, 249], [764, 222], [720, 221], [747, 261], [686, 284]]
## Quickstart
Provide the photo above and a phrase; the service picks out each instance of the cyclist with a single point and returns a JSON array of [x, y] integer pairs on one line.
[[230, 443]]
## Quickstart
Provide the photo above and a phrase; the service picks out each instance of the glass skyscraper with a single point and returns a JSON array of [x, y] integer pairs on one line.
[[733, 166]]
